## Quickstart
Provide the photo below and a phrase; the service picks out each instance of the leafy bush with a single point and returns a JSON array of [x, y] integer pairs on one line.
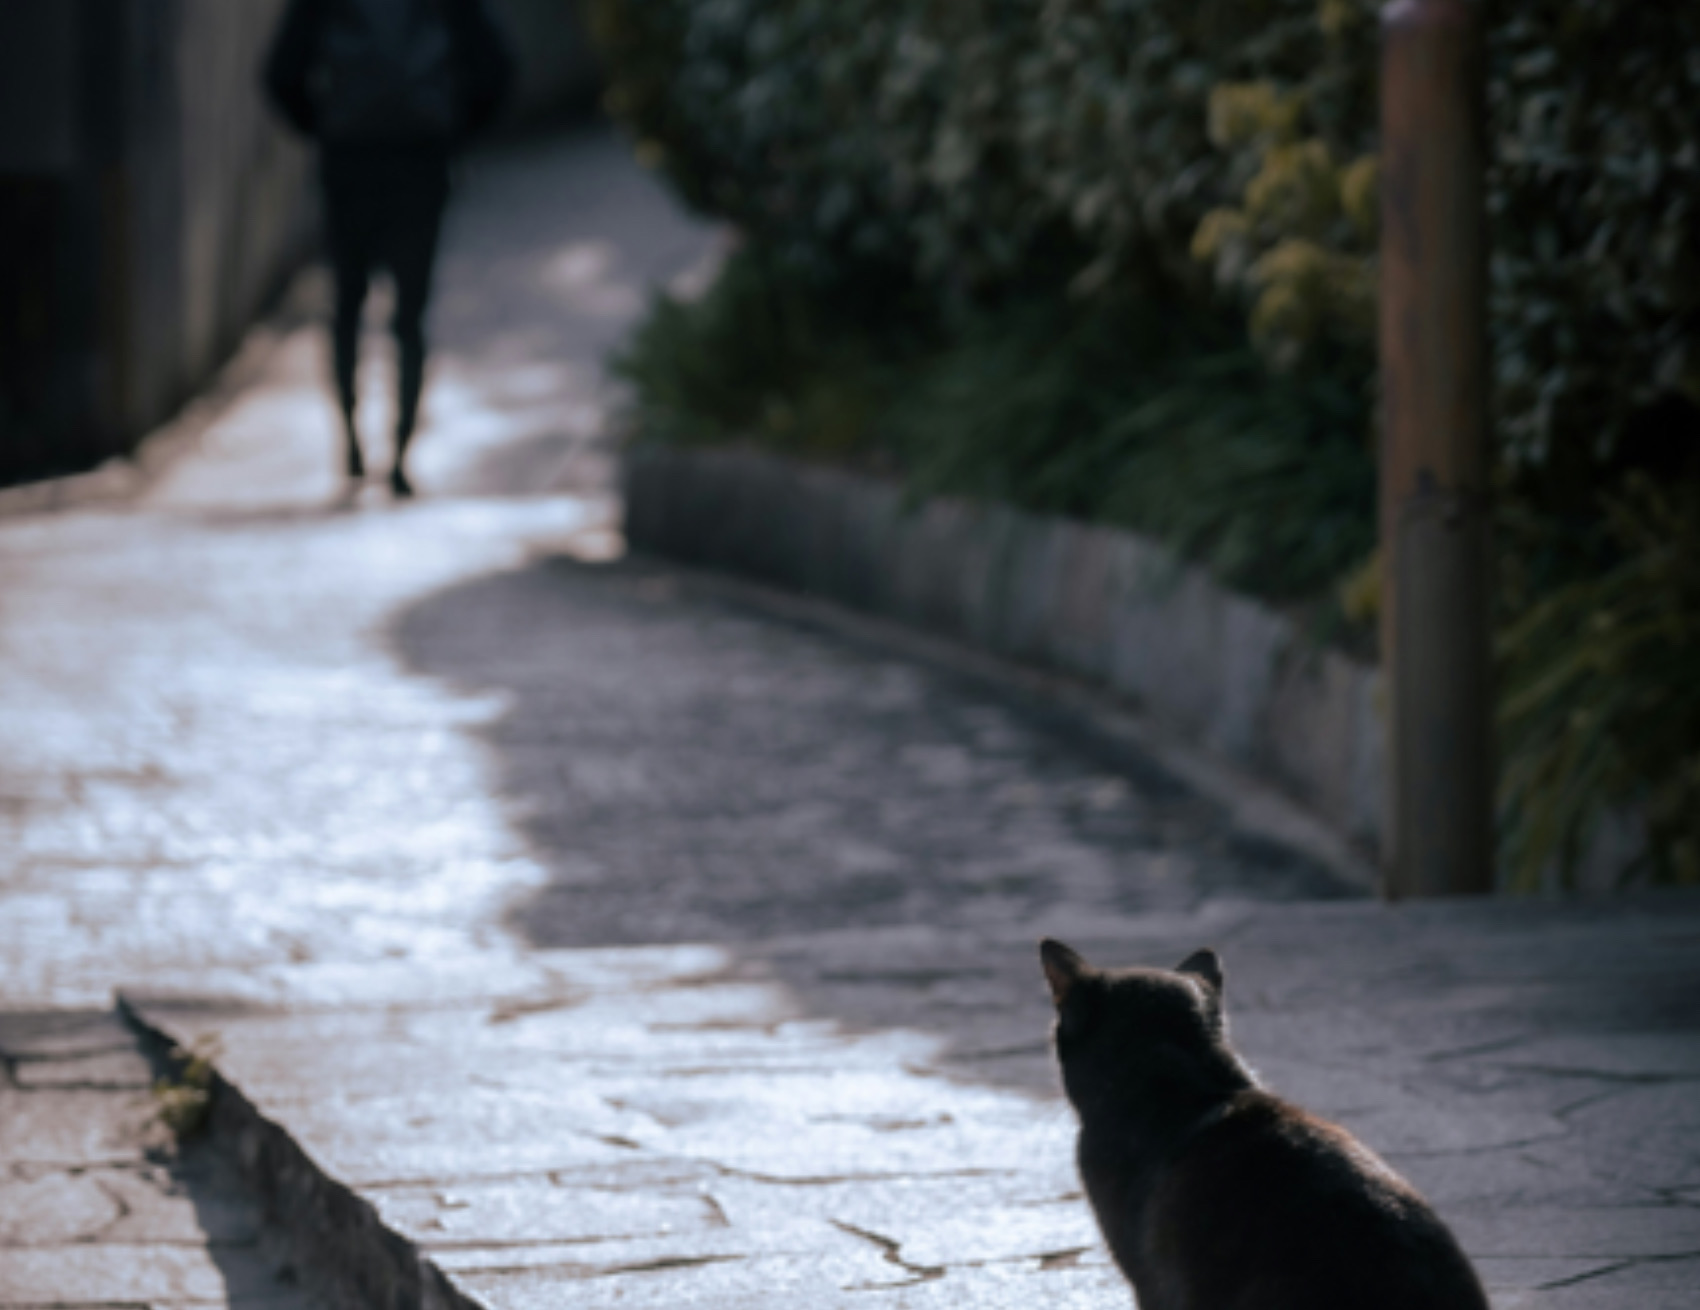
[[816, 128], [763, 357], [1152, 420], [965, 145], [1120, 413], [1300, 245], [1601, 702], [973, 146], [1594, 196]]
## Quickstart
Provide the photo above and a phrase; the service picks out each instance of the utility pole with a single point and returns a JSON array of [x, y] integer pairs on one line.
[[1434, 461]]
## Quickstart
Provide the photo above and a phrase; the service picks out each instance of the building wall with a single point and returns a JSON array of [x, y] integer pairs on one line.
[[38, 86], [148, 207], [243, 182], [47, 352]]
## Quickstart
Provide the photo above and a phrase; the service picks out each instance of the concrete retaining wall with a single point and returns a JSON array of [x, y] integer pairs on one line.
[[1097, 602]]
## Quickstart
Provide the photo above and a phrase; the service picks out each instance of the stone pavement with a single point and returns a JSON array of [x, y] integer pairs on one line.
[[98, 1205], [868, 1118], [622, 940]]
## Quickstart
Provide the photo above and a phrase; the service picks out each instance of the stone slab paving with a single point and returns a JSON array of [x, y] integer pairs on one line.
[[870, 1117], [101, 1207]]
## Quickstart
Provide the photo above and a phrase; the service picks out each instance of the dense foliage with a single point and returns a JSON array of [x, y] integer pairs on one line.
[[1602, 694], [978, 211], [1266, 479]]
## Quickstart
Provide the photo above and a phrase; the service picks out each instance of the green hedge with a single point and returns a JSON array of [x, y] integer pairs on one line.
[[953, 143], [968, 146]]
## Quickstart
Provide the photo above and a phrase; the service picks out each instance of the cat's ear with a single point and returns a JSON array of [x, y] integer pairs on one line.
[[1064, 966], [1207, 965]]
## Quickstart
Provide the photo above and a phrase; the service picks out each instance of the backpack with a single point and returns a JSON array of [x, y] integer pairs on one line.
[[388, 73]]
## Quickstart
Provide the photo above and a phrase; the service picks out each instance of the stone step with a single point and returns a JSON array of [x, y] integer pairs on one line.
[[100, 1204]]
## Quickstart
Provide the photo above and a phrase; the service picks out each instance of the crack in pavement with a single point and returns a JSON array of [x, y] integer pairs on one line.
[[892, 1251], [1632, 1262], [586, 1273], [431, 1245], [1631, 1079], [835, 1180], [1480, 1048]]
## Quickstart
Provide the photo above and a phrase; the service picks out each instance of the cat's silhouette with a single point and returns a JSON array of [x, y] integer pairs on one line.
[[1214, 1194]]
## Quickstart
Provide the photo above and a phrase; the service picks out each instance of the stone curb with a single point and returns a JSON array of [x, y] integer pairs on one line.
[[343, 1251], [1107, 605]]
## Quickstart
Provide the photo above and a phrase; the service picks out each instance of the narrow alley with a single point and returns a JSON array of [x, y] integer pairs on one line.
[[620, 937]]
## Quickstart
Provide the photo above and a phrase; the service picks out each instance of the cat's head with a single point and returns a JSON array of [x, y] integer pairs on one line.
[[1149, 1035]]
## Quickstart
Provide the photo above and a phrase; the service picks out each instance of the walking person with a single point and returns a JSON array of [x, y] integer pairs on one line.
[[388, 89]]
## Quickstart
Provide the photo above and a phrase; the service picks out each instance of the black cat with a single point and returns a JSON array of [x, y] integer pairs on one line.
[[1214, 1194]]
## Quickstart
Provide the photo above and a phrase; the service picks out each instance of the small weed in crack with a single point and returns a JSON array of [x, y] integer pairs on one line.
[[182, 1098]]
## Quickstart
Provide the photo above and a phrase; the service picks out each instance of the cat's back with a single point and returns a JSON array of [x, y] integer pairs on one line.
[[1270, 1208]]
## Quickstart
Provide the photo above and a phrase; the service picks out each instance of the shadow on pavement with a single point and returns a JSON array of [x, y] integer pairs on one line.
[[688, 772]]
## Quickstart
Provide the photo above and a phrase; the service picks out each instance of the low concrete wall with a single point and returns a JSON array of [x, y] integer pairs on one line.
[[1098, 602]]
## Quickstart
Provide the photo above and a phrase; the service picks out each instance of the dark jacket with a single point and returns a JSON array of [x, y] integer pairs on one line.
[[483, 55]]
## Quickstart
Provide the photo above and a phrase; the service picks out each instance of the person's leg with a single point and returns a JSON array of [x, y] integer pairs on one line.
[[412, 256], [351, 284], [350, 258]]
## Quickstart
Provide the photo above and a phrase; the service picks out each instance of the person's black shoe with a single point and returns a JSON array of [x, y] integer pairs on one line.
[[400, 487], [356, 461]]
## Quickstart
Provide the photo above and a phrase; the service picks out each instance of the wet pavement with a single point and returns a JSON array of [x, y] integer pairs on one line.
[[621, 939]]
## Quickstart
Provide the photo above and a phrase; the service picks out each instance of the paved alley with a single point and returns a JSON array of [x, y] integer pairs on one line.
[[620, 939]]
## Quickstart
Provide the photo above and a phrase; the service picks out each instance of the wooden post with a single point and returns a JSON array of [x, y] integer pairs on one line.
[[1434, 466]]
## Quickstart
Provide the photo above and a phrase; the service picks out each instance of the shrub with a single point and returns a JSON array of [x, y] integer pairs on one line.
[[966, 146], [764, 357], [1601, 702], [1595, 202], [1118, 412], [1158, 421], [963, 144]]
